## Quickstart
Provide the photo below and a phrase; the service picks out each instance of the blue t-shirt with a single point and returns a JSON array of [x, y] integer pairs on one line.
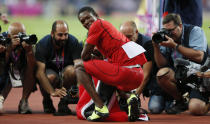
[[46, 53]]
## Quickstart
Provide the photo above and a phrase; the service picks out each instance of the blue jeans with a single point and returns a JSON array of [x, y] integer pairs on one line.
[[158, 103]]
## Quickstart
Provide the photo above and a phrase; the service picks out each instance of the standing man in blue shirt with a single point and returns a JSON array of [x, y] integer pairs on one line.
[[189, 10], [187, 42]]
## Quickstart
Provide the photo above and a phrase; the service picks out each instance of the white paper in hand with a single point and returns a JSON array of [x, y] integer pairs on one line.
[[133, 49]]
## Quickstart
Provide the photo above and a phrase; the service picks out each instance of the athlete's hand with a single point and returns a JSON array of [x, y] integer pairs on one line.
[[96, 55], [59, 92]]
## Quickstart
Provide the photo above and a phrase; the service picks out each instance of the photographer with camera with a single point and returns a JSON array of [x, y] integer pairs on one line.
[[179, 41], [56, 54], [158, 99], [20, 65]]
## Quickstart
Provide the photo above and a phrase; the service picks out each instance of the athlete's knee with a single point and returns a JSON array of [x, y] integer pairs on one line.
[[79, 67]]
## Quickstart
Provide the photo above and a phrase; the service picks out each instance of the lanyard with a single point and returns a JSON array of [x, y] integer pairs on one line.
[[60, 64], [15, 57]]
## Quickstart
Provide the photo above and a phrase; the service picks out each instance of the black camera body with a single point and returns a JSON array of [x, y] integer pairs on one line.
[[29, 39], [4, 40], [185, 72], [159, 36]]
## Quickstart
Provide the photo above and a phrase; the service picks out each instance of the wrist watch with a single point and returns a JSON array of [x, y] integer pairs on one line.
[[177, 46], [202, 73]]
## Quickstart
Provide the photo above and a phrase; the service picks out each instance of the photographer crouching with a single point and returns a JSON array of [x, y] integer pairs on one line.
[[20, 64], [177, 40]]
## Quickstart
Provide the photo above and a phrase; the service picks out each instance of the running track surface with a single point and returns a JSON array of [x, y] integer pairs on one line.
[[11, 116]]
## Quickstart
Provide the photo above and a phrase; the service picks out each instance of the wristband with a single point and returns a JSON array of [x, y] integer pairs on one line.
[[177, 46]]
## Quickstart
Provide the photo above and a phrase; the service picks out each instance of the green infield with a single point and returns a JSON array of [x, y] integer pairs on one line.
[[42, 25]]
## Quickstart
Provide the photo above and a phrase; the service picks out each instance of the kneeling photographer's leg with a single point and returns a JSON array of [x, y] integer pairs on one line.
[[198, 104], [166, 80]]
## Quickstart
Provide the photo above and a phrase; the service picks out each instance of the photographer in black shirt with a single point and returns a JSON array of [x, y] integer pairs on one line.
[[56, 54]]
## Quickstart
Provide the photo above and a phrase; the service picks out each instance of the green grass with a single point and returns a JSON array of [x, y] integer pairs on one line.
[[205, 27], [41, 26]]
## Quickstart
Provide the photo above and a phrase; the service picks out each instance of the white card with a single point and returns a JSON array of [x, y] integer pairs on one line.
[[133, 49]]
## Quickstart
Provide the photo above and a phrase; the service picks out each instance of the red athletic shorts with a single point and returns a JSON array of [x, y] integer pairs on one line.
[[123, 78]]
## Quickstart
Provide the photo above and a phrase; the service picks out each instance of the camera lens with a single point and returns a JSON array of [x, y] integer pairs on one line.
[[158, 37]]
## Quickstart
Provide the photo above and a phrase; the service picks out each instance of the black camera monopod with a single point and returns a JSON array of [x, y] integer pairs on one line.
[[206, 65]]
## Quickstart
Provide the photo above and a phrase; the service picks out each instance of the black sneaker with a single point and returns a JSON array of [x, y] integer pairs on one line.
[[24, 108], [48, 106], [63, 108], [177, 107], [133, 107]]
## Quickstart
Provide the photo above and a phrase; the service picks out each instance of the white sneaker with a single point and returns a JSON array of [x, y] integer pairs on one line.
[[1, 103]]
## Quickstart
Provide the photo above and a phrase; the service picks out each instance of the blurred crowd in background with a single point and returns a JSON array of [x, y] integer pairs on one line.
[[147, 13], [67, 7]]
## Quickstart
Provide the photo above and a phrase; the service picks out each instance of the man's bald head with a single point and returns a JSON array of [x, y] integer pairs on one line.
[[129, 29], [58, 24], [59, 33], [15, 28]]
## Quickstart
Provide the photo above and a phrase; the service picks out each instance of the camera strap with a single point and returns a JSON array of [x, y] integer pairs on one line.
[[60, 65], [15, 56]]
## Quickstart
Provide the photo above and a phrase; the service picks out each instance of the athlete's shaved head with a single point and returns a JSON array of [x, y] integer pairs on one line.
[[88, 9]]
